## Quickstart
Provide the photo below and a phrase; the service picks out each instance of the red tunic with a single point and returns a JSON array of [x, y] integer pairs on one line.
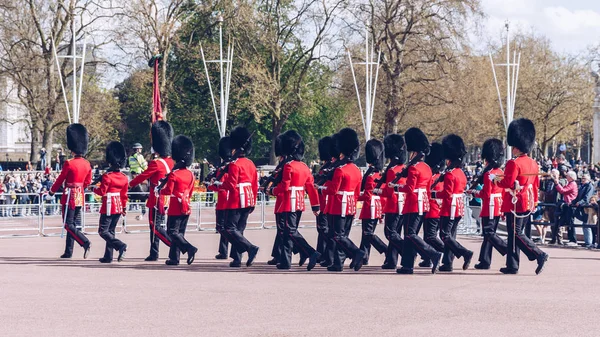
[[75, 176], [241, 183], [344, 190], [221, 193], [179, 187], [372, 204], [491, 196], [434, 204], [296, 180], [417, 189], [391, 197], [156, 171], [113, 190], [527, 197], [323, 196], [452, 194]]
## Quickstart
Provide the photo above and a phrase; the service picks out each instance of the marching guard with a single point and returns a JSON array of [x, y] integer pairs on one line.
[[520, 183], [326, 159], [161, 136], [323, 185], [277, 251], [220, 176], [453, 207], [179, 186], [113, 190], [75, 176]]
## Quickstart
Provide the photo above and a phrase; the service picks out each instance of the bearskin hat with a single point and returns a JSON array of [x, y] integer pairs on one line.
[[347, 143], [374, 153], [334, 150], [115, 154], [435, 158], [325, 148], [183, 150], [77, 139], [493, 151], [454, 147], [292, 144], [395, 147], [278, 149], [521, 134], [241, 139], [162, 134], [225, 148], [416, 140]]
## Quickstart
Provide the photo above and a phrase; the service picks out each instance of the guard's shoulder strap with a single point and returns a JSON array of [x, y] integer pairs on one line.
[[165, 164]]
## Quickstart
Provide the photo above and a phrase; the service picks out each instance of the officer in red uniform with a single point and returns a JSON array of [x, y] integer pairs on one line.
[[453, 207], [325, 145], [431, 228], [296, 182], [372, 208], [322, 185], [492, 154], [220, 176], [344, 191], [417, 202], [277, 250], [521, 183], [162, 134], [395, 150], [179, 186], [75, 176], [242, 188], [113, 190]]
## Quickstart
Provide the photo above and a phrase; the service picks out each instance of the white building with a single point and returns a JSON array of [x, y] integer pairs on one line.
[[15, 136]]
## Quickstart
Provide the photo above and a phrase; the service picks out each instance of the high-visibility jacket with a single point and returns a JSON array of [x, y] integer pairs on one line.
[[137, 163]]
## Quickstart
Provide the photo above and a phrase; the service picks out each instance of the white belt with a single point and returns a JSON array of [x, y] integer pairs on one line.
[[492, 206], [243, 193], [293, 196], [401, 198], [373, 205], [438, 201], [421, 196], [109, 202], [344, 195], [454, 204]]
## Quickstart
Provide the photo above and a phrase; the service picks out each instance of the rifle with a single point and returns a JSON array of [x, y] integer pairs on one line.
[[275, 176], [404, 172], [443, 174], [327, 173]]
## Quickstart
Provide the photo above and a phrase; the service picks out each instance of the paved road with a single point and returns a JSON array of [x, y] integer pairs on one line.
[[42, 295]]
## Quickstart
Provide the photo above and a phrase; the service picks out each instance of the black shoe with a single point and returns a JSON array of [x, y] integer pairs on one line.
[[103, 260], [122, 253], [252, 255], [542, 259], [359, 258], [235, 264], [282, 267], [446, 268], [365, 262], [312, 261], [151, 258], [172, 263], [436, 262], [404, 271], [482, 266], [509, 271], [425, 264], [552, 242], [221, 256], [86, 249], [325, 264], [335, 268], [467, 260], [272, 262], [302, 261], [191, 255], [352, 264], [388, 266], [65, 256]]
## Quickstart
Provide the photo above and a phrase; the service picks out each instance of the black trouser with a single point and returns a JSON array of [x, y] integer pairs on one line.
[[452, 248], [392, 230], [330, 244], [157, 232], [72, 220], [235, 225], [369, 238], [277, 250], [322, 233], [344, 246], [430, 234], [413, 243], [176, 225], [292, 239], [223, 241], [517, 241], [491, 240], [106, 229]]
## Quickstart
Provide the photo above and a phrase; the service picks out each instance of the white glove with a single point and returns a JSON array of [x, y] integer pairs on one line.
[[377, 191], [492, 176], [49, 197]]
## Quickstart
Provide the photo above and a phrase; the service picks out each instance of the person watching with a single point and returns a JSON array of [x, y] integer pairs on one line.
[[137, 162], [569, 193], [584, 196]]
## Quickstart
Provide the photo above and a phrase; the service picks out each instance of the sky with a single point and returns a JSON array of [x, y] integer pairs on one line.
[[571, 25]]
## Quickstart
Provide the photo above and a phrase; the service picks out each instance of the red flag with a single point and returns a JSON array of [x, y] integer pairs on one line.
[[157, 114]]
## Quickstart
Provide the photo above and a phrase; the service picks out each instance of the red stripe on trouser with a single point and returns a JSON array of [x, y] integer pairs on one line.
[[65, 210], [526, 246], [160, 236]]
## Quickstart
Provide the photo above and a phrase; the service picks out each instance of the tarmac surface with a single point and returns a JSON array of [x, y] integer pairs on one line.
[[42, 295]]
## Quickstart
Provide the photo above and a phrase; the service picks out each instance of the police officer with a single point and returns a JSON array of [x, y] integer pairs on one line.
[[137, 162]]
